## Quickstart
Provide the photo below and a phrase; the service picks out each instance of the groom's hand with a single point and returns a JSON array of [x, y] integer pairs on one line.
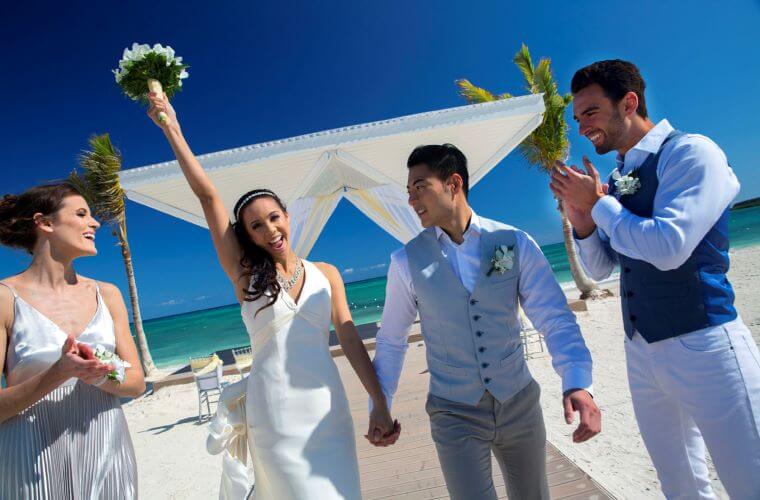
[[383, 430], [591, 418]]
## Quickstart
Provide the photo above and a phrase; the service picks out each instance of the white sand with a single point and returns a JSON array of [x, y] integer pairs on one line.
[[173, 463], [616, 458]]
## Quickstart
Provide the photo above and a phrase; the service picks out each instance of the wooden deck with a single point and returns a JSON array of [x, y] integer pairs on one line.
[[410, 469]]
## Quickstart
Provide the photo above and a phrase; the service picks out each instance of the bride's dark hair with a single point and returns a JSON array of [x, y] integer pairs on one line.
[[256, 262]]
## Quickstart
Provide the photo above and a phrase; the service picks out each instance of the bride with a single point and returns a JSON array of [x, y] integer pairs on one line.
[[300, 429]]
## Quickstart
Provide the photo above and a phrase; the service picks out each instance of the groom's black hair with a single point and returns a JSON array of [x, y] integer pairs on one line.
[[444, 160], [616, 77]]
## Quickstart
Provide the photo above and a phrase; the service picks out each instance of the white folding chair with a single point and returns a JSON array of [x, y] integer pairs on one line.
[[208, 380], [529, 336]]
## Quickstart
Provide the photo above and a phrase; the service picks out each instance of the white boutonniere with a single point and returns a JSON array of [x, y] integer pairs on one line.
[[502, 260], [111, 358], [626, 184]]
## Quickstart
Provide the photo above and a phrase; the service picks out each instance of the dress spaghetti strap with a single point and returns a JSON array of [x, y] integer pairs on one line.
[[13, 290]]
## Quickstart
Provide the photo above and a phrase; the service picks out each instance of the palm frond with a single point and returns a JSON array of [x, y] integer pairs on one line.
[[548, 142], [543, 77], [474, 94], [99, 180], [525, 64]]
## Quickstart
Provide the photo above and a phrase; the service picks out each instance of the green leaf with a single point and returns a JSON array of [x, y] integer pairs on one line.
[[99, 180], [474, 94], [134, 79]]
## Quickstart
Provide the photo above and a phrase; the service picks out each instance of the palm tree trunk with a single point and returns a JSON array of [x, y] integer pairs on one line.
[[585, 285], [142, 341]]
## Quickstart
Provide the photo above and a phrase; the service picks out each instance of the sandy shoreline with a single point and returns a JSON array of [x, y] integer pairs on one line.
[[173, 463]]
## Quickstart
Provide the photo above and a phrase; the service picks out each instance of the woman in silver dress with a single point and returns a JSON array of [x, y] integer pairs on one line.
[[62, 430]]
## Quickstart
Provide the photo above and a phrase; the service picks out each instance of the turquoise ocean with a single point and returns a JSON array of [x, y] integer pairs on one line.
[[173, 339]]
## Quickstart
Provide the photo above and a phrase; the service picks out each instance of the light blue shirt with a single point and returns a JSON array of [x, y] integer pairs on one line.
[[696, 185]]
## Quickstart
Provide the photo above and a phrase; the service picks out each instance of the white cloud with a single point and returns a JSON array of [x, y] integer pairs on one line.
[[172, 302], [201, 297], [353, 270]]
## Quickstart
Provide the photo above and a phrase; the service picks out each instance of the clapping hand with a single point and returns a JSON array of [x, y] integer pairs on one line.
[[383, 430], [576, 187], [578, 191]]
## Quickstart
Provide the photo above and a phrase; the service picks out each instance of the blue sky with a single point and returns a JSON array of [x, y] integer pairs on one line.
[[262, 72]]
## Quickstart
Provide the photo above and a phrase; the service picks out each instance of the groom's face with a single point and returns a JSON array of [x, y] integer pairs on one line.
[[599, 118], [430, 197]]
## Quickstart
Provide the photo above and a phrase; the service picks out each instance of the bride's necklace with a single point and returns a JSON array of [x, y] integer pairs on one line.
[[287, 284]]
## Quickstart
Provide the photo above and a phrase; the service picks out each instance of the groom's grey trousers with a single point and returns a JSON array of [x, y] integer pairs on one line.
[[465, 436]]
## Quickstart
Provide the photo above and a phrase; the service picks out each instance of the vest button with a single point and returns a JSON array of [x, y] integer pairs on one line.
[[487, 380], [627, 269], [476, 317], [484, 365], [629, 294], [481, 349], [473, 302], [479, 333], [632, 317]]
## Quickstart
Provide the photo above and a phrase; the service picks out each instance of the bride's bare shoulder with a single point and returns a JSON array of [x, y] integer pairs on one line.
[[331, 272]]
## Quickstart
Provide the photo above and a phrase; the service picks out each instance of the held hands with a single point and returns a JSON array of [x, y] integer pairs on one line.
[[591, 418], [383, 430], [161, 104], [78, 361]]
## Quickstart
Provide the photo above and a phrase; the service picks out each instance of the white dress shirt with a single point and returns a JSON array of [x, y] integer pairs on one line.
[[540, 296], [696, 185]]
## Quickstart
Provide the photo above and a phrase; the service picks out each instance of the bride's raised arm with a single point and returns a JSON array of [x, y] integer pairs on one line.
[[222, 233]]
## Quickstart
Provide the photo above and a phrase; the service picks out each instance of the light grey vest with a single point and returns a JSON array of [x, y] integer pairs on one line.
[[472, 340]]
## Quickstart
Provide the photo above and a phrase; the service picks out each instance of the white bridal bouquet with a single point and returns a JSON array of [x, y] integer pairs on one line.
[[144, 69], [111, 358]]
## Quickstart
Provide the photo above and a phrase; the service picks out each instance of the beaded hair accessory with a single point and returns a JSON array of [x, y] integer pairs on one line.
[[247, 200]]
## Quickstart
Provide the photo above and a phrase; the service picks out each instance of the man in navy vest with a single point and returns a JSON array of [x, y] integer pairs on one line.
[[693, 367], [467, 277]]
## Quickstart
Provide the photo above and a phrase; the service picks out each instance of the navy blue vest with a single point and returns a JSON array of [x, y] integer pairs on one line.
[[664, 304]]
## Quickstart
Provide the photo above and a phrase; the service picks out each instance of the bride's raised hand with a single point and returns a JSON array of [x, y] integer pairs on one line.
[[161, 104]]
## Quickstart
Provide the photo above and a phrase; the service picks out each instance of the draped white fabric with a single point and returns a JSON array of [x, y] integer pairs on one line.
[[386, 205], [307, 218], [364, 163]]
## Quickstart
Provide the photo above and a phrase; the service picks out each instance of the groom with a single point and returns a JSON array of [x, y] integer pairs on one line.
[[467, 276], [693, 367]]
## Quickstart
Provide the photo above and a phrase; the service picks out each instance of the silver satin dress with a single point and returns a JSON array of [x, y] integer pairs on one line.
[[73, 443]]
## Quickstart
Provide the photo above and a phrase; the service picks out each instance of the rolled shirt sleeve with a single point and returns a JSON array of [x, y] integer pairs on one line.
[[545, 304]]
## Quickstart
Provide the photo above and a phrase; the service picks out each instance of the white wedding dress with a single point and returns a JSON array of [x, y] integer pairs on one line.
[[300, 430]]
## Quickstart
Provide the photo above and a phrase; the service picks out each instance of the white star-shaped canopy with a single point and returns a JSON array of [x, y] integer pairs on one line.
[[366, 164]]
